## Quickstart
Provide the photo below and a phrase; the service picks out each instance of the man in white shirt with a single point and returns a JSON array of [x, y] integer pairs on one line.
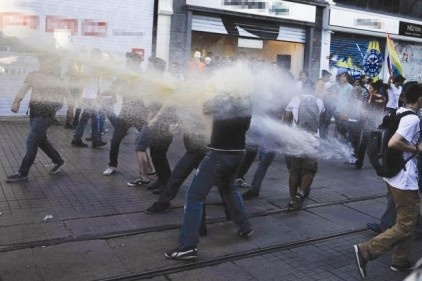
[[394, 92], [404, 190], [302, 168]]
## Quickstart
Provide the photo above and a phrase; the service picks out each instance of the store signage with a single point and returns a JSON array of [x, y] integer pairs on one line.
[[362, 20], [12, 19], [410, 29], [276, 8], [55, 22]]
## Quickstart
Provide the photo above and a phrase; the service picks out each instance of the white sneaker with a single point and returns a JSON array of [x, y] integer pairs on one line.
[[110, 170]]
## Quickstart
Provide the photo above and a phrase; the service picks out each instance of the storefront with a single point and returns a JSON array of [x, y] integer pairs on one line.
[[358, 43], [75, 26], [275, 32]]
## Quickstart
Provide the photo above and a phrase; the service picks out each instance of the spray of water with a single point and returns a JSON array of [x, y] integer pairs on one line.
[[266, 88]]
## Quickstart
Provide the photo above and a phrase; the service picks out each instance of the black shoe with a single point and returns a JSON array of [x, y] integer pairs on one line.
[[374, 227], [155, 185], [98, 143], [56, 168], [250, 194], [406, 266], [189, 253], [16, 177], [241, 183], [245, 234], [360, 261], [297, 201], [88, 138], [158, 208], [138, 182], [78, 143]]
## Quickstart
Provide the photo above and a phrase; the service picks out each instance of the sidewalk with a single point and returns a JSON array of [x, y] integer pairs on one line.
[[99, 230]]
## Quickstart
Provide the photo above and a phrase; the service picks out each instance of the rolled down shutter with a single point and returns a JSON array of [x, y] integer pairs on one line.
[[245, 27]]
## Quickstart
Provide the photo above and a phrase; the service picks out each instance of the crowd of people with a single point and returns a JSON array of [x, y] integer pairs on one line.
[[222, 153]]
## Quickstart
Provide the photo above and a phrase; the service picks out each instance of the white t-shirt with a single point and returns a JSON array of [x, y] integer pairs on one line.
[[409, 130], [294, 104], [393, 96]]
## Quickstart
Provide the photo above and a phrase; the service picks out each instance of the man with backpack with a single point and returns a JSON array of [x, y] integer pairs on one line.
[[304, 112], [403, 187]]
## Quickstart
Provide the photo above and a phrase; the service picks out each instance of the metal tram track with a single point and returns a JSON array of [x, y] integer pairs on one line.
[[116, 234], [230, 258]]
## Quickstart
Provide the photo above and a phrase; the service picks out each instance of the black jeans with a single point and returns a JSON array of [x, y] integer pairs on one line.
[[183, 168], [122, 125], [38, 138], [158, 150]]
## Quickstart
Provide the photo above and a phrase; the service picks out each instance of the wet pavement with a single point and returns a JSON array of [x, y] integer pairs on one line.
[[99, 231]]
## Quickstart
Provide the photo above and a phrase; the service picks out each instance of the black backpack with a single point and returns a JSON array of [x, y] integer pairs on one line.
[[387, 162]]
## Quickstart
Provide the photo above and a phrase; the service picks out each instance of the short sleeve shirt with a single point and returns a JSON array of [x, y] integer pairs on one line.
[[409, 130]]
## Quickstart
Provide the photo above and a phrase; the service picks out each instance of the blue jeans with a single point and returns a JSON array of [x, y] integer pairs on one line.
[[86, 115], [265, 159], [217, 168], [38, 138]]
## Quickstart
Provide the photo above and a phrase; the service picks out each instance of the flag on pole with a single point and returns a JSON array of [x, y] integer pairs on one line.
[[392, 60]]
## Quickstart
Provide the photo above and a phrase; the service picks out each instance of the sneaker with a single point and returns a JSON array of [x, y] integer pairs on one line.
[[290, 206], [189, 253], [296, 203], [158, 207], [109, 170], [241, 183], [306, 193], [16, 177], [153, 173], [155, 185], [250, 194], [360, 261], [88, 138], [78, 143], [138, 182], [56, 168], [98, 143], [406, 266], [245, 234]]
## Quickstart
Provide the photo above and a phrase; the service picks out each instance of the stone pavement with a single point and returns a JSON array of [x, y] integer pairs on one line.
[[99, 230]]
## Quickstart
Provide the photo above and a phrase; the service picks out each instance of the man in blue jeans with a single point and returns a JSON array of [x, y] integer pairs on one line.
[[231, 119], [265, 158], [46, 98]]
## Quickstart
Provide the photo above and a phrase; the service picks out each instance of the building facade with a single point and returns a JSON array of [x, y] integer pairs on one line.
[[286, 33], [354, 36]]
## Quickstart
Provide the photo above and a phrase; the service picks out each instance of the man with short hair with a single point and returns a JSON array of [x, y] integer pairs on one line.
[[302, 168], [231, 119], [404, 190], [47, 96]]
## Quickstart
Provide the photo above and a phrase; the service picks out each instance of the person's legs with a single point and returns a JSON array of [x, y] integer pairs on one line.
[[38, 129], [158, 152], [201, 185], [265, 160], [388, 219], [149, 164], [247, 161], [399, 236], [119, 133], [81, 125], [225, 172], [181, 171]]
